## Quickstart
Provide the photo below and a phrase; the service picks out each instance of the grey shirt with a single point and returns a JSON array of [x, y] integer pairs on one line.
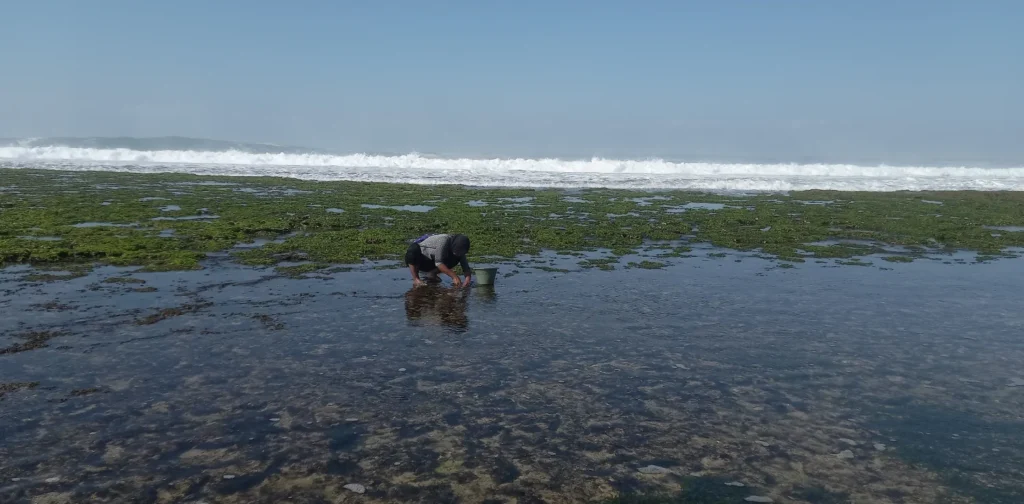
[[438, 248]]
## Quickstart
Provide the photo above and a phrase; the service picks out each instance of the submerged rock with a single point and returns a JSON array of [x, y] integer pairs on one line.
[[653, 469], [355, 487], [735, 484], [1016, 382], [758, 498], [845, 454], [848, 441], [879, 446]]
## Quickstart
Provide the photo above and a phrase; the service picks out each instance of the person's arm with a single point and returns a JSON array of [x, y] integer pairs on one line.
[[415, 275], [448, 271], [466, 270]]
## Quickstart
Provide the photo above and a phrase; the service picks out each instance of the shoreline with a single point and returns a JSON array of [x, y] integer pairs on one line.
[[75, 219]]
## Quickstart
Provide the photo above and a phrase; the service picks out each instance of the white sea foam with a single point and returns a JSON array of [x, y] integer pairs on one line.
[[596, 172]]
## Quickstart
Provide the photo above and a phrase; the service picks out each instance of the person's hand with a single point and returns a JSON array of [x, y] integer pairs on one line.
[[416, 282], [456, 282], [469, 280]]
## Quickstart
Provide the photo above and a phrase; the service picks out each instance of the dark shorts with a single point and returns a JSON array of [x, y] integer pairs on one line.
[[415, 256]]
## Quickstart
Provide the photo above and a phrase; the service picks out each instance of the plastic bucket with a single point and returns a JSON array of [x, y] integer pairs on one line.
[[484, 276]]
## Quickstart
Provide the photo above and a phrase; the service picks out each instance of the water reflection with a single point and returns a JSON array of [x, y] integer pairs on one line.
[[437, 305], [485, 293]]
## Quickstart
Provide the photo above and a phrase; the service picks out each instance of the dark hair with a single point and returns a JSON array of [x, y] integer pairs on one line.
[[460, 245]]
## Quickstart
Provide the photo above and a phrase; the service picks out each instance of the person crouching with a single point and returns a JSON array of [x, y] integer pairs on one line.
[[431, 254]]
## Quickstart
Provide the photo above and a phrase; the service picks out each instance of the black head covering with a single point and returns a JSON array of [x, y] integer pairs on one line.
[[460, 245]]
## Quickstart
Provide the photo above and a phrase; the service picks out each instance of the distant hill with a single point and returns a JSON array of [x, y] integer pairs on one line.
[[158, 143]]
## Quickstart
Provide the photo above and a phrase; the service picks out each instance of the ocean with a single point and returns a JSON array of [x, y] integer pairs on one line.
[[212, 157]]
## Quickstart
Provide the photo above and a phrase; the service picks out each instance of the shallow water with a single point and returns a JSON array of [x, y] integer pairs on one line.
[[101, 224], [404, 208], [1011, 229], [230, 384], [187, 217], [694, 206]]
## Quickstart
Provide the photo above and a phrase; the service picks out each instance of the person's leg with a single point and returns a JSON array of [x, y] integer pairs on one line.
[[427, 266]]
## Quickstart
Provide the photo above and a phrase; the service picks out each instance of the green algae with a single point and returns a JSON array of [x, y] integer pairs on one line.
[[301, 269], [853, 262], [51, 277], [62, 218], [647, 265], [603, 264], [176, 311], [552, 269], [898, 259]]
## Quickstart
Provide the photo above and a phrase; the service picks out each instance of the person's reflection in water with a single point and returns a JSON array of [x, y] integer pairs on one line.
[[435, 304]]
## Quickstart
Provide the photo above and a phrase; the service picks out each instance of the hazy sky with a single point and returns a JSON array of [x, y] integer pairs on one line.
[[892, 80]]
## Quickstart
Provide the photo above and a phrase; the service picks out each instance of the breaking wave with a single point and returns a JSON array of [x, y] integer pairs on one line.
[[522, 172]]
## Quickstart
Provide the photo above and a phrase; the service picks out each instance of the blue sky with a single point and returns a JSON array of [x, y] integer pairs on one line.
[[897, 81]]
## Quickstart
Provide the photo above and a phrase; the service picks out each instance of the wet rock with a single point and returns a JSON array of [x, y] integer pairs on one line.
[[355, 487], [653, 469], [275, 419], [879, 446], [763, 443], [848, 441], [758, 498], [1016, 382], [504, 471], [401, 370], [341, 466], [54, 479], [845, 454], [735, 484], [228, 476], [343, 437]]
